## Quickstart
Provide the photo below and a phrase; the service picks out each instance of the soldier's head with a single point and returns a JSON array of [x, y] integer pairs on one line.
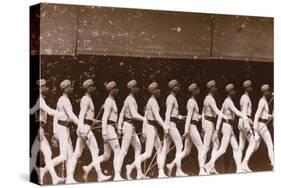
[[174, 86], [44, 90], [230, 90], [212, 87], [66, 87], [112, 88], [133, 87], [266, 91], [194, 89], [154, 90], [88, 86], [248, 87]]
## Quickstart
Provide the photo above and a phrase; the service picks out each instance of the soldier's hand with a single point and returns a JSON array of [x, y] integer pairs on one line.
[[54, 141], [250, 121], [185, 135], [119, 131], [215, 135], [166, 131], [104, 134], [95, 121], [256, 135], [180, 117], [143, 137]]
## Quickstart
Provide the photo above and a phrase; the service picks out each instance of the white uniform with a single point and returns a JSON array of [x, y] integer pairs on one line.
[[110, 116], [210, 110], [41, 110], [172, 111], [62, 132], [262, 116], [87, 112], [245, 131], [229, 110], [192, 121], [128, 115], [151, 135]]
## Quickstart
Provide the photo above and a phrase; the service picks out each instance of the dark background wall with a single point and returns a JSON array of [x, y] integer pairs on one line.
[[70, 30]]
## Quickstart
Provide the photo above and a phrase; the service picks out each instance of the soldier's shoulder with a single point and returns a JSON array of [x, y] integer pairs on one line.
[[171, 98]]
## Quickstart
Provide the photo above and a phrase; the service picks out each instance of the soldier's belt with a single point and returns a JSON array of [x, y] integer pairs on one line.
[[229, 121], [129, 120], [88, 122], [174, 119], [263, 120], [195, 122], [211, 119], [63, 123], [110, 122], [158, 127]]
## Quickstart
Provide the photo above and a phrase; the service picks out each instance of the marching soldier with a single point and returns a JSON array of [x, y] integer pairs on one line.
[[191, 134], [152, 127], [61, 128], [245, 131], [109, 120], [86, 136], [172, 118], [210, 113], [229, 110], [41, 110], [262, 118], [127, 120]]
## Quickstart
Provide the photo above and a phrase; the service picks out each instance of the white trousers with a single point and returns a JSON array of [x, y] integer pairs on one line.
[[152, 140], [245, 134], [111, 143], [263, 133], [208, 131], [41, 144], [80, 145], [228, 137], [194, 138], [129, 138]]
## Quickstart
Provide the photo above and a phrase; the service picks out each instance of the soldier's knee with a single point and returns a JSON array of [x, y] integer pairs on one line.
[[223, 150], [146, 155], [63, 157], [106, 156], [116, 147], [77, 155]]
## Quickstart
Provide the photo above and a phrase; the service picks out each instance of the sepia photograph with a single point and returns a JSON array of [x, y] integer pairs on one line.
[[131, 94]]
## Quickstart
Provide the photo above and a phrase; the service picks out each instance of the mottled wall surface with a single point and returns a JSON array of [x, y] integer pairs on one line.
[[245, 38], [71, 30], [143, 33], [58, 26]]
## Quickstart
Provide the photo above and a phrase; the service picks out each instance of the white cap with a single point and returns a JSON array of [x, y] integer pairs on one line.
[[172, 84], [41, 82], [110, 85], [87, 83], [152, 86], [192, 87], [211, 84], [265, 87], [64, 84], [247, 83], [131, 84], [229, 87]]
